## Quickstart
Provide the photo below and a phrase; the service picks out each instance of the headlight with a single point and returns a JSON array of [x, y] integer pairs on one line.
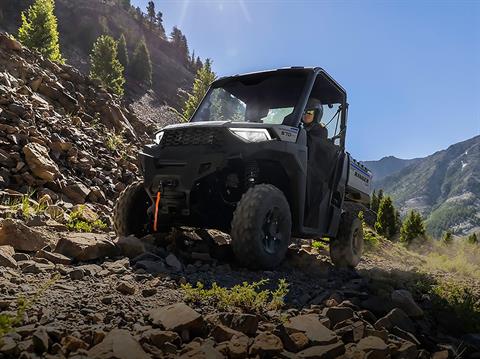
[[252, 134], [158, 137]]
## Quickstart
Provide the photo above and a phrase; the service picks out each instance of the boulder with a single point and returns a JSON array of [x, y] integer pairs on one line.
[[125, 288], [131, 246], [6, 257], [22, 238], [395, 318], [329, 351], [245, 323], [403, 299], [222, 333], [310, 325], [86, 246], [373, 347], [238, 347], [77, 192], [337, 314], [118, 344], [40, 163], [172, 261], [266, 345], [55, 258], [177, 317]]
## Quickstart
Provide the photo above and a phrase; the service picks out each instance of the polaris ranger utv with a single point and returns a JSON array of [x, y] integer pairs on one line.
[[245, 164]]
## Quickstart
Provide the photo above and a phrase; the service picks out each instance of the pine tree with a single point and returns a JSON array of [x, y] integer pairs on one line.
[[39, 30], [204, 77], [386, 223], [472, 239], [125, 4], [160, 24], [447, 237], [413, 227], [151, 12], [374, 202], [179, 42], [123, 52], [104, 64], [141, 65]]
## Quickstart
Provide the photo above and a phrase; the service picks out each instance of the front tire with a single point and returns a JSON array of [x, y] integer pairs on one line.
[[261, 227], [346, 250], [130, 214]]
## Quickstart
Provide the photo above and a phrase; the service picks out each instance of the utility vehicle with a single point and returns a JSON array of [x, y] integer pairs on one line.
[[245, 164]]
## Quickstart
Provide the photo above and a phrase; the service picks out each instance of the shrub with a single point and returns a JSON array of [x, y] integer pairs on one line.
[[246, 297], [77, 223], [413, 227]]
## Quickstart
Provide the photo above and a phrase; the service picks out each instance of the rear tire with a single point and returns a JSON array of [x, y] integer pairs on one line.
[[261, 227], [346, 250], [130, 214]]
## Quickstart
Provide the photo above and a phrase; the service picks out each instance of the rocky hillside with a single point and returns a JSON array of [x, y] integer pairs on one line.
[[444, 187], [387, 166], [81, 22], [61, 134]]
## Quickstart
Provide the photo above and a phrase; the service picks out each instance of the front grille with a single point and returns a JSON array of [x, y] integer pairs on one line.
[[192, 136]]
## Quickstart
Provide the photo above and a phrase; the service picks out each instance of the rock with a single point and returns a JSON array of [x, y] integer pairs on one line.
[[245, 323], [158, 337], [40, 340], [352, 332], [407, 350], [311, 326], [222, 333], [204, 351], [77, 274], [72, 344], [266, 345], [86, 246], [125, 288], [77, 192], [118, 344], [374, 347], [40, 163], [56, 213], [395, 318], [131, 246], [238, 347], [22, 238], [84, 213], [299, 341], [148, 292], [6, 257], [10, 43], [404, 300], [55, 258], [323, 352], [177, 317], [173, 262], [337, 314]]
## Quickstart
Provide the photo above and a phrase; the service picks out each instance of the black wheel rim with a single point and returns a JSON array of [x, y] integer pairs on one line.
[[272, 235]]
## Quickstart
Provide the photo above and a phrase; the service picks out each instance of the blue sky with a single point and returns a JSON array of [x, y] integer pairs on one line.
[[411, 68]]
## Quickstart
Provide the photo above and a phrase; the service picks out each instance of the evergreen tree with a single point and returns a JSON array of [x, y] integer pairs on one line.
[[413, 227], [123, 52], [447, 237], [374, 201], [204, 77], [104, 64], [151, 14], [141, 65], [125, 4], [198, 64], [472, 238], [386, 223], [179, 42], [39, 30], [160, 23]]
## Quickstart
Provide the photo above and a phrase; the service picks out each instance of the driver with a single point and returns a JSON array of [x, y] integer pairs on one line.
[[311, 120]]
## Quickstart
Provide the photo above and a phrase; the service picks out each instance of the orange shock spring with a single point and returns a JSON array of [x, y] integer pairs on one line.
[[155, 220]]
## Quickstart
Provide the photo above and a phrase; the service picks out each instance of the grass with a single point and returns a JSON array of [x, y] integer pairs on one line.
[[249, 298], [114, 141], [25, 205], [77, 223], [320, 245]]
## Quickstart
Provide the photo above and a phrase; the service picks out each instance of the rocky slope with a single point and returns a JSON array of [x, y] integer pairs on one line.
[[61, 134], [97, 295], [444, 187], [81, 22]]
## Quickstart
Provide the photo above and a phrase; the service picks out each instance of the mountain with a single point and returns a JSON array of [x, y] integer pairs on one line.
[[81, 22], [387, 166], [444, 187]]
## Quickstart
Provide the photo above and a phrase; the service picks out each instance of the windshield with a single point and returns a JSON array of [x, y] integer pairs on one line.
[[263, 98]]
